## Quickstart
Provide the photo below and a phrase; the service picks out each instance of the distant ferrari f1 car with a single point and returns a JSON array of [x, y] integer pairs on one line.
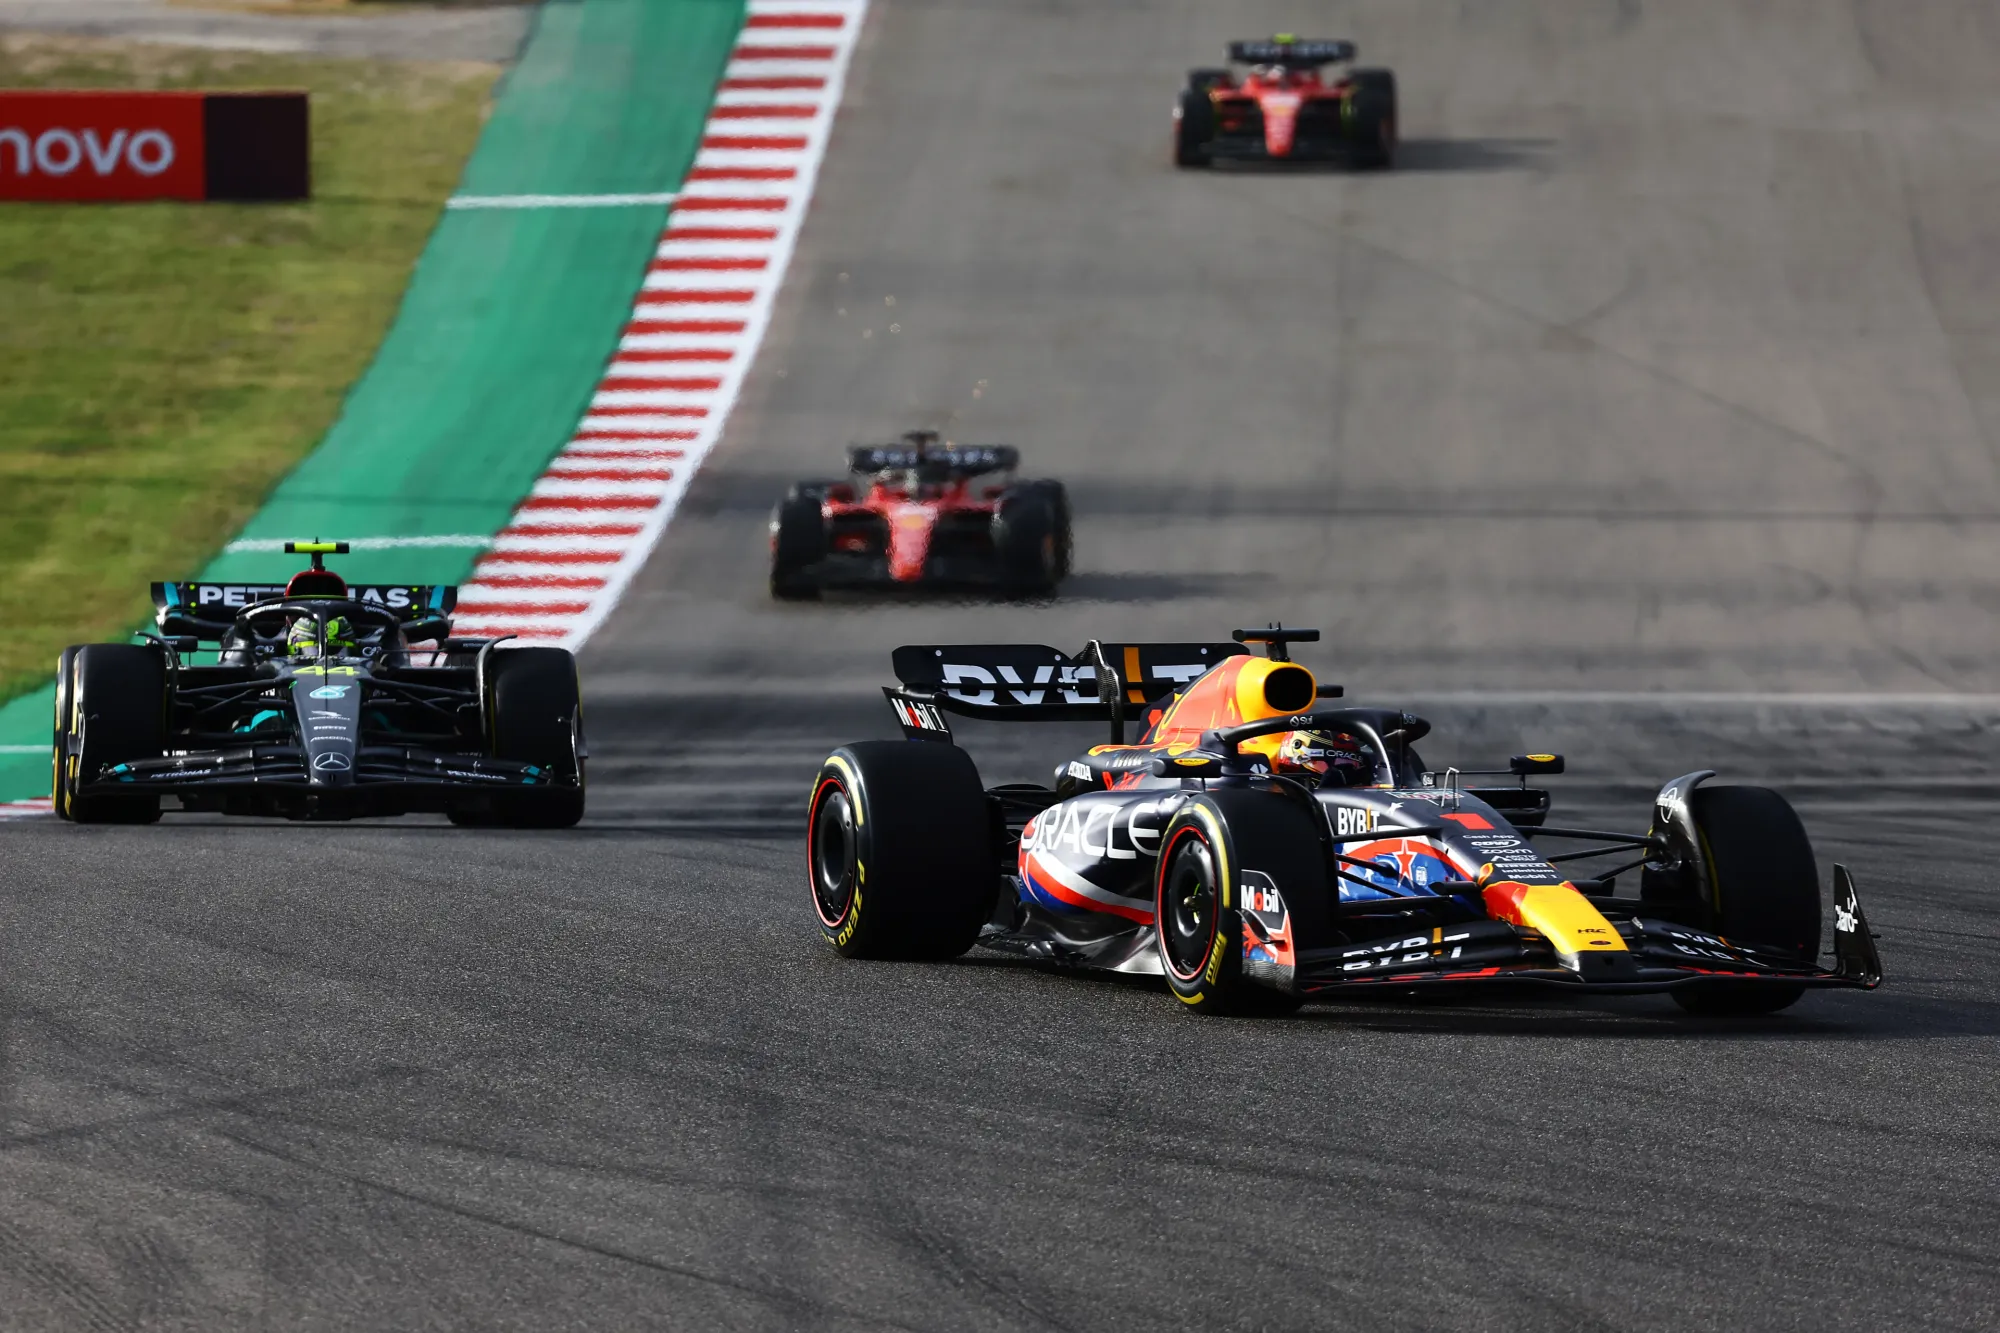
[[922, 514], [316, 708], [1258, 850], [1286, 109]]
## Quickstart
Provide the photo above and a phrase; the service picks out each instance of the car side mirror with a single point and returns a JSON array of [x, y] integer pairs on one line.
[[1521, 765], [433, 630], [181, 623]]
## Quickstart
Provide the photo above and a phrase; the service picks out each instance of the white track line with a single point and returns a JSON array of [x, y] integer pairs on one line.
[[559, 567]]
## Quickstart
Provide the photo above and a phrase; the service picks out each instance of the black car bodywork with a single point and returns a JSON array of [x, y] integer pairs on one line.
[[287, 722]]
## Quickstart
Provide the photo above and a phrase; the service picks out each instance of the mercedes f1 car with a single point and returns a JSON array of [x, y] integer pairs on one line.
[[1259, 848], [316, 706], [922, 514], [1287, 108]]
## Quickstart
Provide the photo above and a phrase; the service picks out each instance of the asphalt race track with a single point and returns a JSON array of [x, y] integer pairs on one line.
[[1667, 363]]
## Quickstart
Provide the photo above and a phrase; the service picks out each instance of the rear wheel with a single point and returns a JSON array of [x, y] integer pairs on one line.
[[900, 858], [1371, 117], [117, 706], [1213, 940], [1194, 128], [798, 542], [534, 716], [1764, 887]]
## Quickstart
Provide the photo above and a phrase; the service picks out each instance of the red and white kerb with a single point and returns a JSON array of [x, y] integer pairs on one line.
[[558, 567]]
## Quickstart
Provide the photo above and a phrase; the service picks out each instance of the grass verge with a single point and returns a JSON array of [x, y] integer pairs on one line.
[[162, 366]]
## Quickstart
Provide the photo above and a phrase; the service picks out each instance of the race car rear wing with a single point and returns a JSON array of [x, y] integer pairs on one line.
[[961, 460], [1013, 682], [1294, 54], [206, 609]]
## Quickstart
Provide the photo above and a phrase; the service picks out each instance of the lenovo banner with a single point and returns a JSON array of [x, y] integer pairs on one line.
[[111, 146]]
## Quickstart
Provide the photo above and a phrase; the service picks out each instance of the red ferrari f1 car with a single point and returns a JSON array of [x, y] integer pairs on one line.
[[922, 514], [1288, 108]]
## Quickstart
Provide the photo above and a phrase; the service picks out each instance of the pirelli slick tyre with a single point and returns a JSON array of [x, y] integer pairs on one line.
[[59, 744], [534, 715], [1028, 540], [117, 713], [798, 542], [1219, 850], [900, 857], [1194, 127], [1371, 118], [1058, 498], [1764, 886]]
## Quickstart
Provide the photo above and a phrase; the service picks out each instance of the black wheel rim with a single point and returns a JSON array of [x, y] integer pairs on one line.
[[833, 854], [1188, 907]]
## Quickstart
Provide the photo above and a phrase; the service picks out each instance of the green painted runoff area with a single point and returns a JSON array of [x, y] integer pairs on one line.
[[509, 320]]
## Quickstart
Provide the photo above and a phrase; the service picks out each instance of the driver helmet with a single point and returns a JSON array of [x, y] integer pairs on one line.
[[303, 639], [1273, 74], [1330, 758]]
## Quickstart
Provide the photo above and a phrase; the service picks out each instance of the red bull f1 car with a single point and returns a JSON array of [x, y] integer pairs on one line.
[[920, 514], [317, 704], [1289, 106], [1258, 847]]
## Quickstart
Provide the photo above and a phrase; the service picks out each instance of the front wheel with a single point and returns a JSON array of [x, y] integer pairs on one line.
[[798, 542], [900, 857], [1224, 951], [117, 707], [1371, 118], [59, 745], [1029, 542], [1194, 128], [1058, 497], [1764, 891], [534, 715]]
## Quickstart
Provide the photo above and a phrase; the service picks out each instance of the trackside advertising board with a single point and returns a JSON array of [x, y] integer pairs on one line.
[[106, 147]]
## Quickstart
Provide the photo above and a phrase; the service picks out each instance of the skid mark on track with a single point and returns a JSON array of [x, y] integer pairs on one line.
[[798, 1305], [22, 1258]]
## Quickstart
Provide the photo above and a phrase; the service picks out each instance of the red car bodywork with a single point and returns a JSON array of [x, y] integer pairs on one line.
[[1296, 101], [921, 512], [911, 511], [1280, 95]]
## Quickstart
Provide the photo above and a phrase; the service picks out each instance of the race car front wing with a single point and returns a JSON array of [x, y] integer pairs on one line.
[[286, 765], [1658, 955]]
